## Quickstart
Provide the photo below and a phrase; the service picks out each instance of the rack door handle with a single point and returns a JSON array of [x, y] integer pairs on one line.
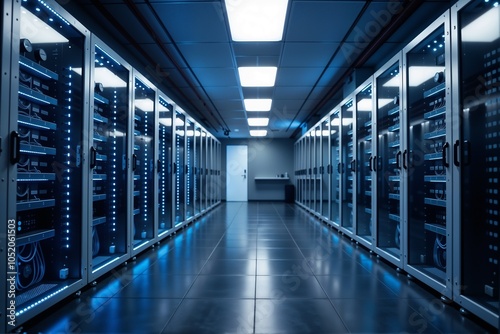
[[15, 147], [370, 163], [93, 157], [445, 154], [405, 162], [466, 152], [353, 165], [134, 162], [374, 163], [174, 168], [158, 166], [398, 160], [456, 146], [338, 168]]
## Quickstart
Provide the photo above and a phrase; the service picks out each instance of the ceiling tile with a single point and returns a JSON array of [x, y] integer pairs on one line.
[[257, 49], [193, 21], [288, 76], [321, 21], [222, 93], [216, 76], [308, 54], [207, 54]]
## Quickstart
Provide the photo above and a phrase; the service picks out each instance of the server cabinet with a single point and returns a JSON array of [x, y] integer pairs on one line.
[[335, 168], [219, 178], [365, 163], [164, 166], [476, 103], [108, 243], [347, 165], [203, 171], [5, 216], [323, 169], [179, 161], [190, 147], [300, 172], [45, 260], [316, 169], [210, 171], [389, 185], [197, 170], [426, 156], [298, 178], [143, 165]]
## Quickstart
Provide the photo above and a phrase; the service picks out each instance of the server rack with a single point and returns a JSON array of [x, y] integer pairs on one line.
[[203, 173], [5, 99], [389, 230], [323, 169], [425, 159], [143, 165], [210, 171], [164, 166], [190, 147], [316, 154], [197, 170], [45, 116], [476, 104], [335, 168], [179, 165], [218, 160], [108, 231], [347, 165], [365, 164]]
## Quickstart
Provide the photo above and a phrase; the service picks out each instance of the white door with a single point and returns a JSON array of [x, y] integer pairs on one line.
[[236, 171]]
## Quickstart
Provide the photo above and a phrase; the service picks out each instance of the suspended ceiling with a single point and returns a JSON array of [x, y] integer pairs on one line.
[[185, 48]]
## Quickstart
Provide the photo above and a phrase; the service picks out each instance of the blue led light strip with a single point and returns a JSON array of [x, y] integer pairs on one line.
[[53, 11]]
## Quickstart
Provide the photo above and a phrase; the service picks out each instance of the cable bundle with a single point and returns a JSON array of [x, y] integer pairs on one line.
[[439, 253], [30, 265]]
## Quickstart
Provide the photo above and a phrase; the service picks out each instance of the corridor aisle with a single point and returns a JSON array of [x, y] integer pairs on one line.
[[256, 267]]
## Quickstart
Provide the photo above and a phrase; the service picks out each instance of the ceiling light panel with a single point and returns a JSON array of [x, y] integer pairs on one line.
[[256, 20], [257, 76], [258, 133], [257, 104], [258, 121]]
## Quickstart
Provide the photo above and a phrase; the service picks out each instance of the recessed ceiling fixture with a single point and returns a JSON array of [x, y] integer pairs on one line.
[[256, 121], [258, 133], [256, 20], [257, 76], [257, 104]]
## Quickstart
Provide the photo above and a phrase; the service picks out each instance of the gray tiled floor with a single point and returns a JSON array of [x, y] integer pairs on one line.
[[256, 267]]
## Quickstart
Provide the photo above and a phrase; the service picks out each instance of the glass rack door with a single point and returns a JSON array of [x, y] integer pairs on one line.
[[164, 164], [347, 164], [143, 163], [190, 156], [179, 162], [426, 157], [476, 158], [335, 168], [203, 171], [325, 182], [108, 160], [46, 157], [197, 171], [308, 167], [365, 163], [388, 235], [316, 168]]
